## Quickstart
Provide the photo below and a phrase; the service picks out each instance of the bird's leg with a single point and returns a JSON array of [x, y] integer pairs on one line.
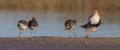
[[68, 33], [34, 33], [87, 34], [96, 34], [97, 31], [23, 33], [31, 33], [19, 34], [74, 32], [90, 33]]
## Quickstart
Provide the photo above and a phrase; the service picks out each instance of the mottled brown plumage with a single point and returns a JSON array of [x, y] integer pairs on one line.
[[22, 25], [70, 24], [33, 24]]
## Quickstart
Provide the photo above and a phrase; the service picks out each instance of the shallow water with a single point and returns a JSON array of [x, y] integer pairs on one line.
[[52, 24]]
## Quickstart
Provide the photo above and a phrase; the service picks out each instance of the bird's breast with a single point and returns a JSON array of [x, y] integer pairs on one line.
[[33, 27], [73, 26], [94, 20], [22, 26]]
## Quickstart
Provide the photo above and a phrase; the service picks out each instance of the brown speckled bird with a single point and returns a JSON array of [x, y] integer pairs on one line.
[[22, 25], [33, 25], [70, 24]]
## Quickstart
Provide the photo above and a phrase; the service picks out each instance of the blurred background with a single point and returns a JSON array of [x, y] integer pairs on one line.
[[51, 15]]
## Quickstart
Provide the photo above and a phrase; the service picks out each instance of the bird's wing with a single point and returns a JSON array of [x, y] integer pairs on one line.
[[90, 17]]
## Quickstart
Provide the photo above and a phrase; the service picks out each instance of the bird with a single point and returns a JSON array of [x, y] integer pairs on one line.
[[94, 22], [33, 25], [22, 25], [69, 25]]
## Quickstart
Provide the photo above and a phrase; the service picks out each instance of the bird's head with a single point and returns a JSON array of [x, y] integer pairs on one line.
[[96, 12], [33, 18]]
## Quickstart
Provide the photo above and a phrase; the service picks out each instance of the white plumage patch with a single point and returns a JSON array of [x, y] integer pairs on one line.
[[73, 26], [94, 19], [33, 27], [22, 26]]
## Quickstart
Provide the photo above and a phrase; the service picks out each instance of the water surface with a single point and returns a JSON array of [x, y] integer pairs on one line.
[[52, 23]]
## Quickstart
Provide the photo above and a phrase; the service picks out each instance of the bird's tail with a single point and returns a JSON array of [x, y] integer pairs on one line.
[[83, 26]]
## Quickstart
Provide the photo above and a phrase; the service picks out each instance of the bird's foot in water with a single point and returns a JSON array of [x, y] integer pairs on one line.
[[86, 36]]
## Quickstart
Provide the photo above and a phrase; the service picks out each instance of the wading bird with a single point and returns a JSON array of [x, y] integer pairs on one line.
[[69, 25], [93, 24], [22, 25], [33, 25]]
